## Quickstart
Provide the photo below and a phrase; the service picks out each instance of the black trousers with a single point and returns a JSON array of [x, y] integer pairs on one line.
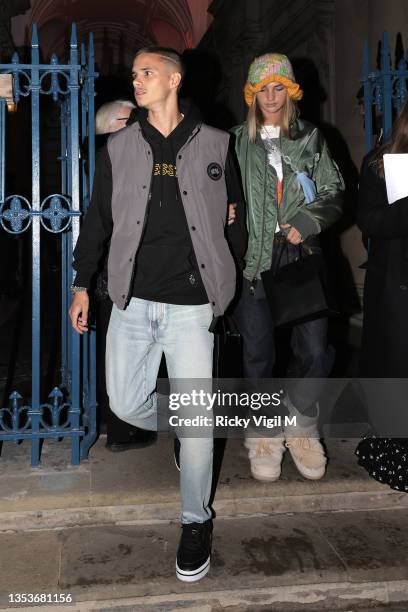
[[312, 357]]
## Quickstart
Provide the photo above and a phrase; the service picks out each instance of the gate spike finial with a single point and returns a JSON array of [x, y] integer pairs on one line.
[[15, 58], [34, 36], [385, 52], [366, 59], [83, 54], [15, 396], [91, 46], [74, 39], [56, 392], [54, 78]]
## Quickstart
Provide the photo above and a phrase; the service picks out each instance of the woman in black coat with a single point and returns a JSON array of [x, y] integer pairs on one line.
[[385, 327]]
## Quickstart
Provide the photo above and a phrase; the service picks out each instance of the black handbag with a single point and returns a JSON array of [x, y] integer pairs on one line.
[[297, 292]]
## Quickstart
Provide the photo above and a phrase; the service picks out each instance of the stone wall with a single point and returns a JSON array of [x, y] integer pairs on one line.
[[240, 31], [9, 9]]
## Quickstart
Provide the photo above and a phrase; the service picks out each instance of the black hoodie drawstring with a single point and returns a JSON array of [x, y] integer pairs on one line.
[[173, 163], [161, 172], [174, 156]]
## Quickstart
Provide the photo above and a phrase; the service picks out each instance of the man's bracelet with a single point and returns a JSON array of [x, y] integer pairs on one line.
[[75, 289]]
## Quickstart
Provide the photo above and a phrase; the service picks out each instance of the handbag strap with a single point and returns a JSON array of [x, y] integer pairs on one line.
[[284, 247], [302, 248]]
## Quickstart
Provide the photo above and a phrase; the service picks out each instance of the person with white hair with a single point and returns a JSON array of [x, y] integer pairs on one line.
[[112, 116]]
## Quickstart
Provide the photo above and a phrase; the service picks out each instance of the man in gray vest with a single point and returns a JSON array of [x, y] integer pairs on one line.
[[161, 189]]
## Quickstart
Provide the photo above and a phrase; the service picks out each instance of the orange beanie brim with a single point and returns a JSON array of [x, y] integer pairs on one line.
[[293, 89]]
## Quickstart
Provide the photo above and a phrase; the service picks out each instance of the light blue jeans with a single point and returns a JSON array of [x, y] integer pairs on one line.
[[136, 340]]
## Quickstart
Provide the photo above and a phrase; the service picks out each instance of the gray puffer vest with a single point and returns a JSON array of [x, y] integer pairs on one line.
[[201, 178]]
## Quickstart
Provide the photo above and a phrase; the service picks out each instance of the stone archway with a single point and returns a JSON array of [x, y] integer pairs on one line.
[[119, 28]]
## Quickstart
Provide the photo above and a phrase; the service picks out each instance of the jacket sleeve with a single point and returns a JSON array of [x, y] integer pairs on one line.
[[375, 217], [97, 225], [318, 215], [236, 233]]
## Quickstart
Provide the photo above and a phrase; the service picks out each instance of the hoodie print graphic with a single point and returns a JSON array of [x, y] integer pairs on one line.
[[164, 169]]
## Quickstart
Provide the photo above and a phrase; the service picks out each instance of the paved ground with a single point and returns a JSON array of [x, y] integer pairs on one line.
[[107, 531], [142, 485], [277, 563]]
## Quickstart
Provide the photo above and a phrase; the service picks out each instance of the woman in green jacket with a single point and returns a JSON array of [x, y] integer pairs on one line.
[[272, 145]]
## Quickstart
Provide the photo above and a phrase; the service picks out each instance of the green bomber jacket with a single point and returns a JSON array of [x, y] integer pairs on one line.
[[305, 151]]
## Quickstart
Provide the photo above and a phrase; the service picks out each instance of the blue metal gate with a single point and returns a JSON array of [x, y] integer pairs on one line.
[[385, 90], [70, 410]]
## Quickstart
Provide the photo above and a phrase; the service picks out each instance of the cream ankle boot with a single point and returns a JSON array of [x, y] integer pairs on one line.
[[265, 456]]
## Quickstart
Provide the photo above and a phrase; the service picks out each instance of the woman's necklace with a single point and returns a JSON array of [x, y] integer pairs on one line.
[[272, 138]]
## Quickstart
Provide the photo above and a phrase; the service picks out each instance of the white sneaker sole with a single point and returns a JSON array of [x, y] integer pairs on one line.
[[194, 576]]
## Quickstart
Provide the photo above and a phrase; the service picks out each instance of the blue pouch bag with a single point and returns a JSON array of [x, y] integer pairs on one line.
[[308, 186]]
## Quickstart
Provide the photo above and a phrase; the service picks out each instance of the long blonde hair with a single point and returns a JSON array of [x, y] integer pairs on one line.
[[255, 118]]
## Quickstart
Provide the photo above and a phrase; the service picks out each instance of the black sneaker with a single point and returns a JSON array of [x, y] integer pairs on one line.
[[177, 453], [193, 554], [136, 438]]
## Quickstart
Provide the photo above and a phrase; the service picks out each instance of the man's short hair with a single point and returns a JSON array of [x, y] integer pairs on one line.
[[107, 114], [168, 54]]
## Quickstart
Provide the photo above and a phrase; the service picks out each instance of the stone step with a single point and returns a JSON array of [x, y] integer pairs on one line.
[[343, 561], [141, 486]]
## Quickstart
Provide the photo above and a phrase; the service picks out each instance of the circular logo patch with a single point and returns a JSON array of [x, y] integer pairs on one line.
[[214, 171]]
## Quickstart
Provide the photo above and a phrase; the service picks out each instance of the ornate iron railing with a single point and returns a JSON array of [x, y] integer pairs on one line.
[[70, 410], [385, 90]]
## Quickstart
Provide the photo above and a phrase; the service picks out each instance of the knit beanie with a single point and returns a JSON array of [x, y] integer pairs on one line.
[[268, 68]]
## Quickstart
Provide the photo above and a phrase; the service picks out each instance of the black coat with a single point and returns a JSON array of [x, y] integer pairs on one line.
[[385, 327]]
